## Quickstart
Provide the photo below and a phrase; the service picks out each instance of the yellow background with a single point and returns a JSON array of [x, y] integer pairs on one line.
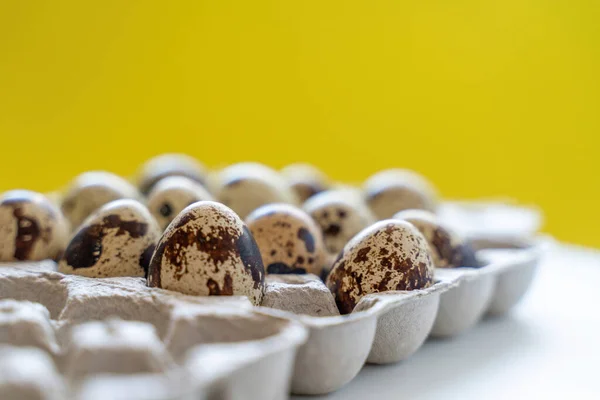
[[486, 98]]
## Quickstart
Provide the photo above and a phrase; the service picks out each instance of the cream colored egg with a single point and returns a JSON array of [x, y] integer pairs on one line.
[[305, 180], [170, 164], [90, 191], [246, 186], [31, 227], [388, 255], [116, 240], [289, 240], [339, 217], [390, 191], [208, 250], [171, 195], [448, 249]]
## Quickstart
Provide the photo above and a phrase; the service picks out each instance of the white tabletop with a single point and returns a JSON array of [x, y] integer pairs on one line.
[[548, 347]]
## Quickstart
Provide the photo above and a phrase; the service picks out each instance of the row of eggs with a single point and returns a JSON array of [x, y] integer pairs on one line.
[[182, 240]]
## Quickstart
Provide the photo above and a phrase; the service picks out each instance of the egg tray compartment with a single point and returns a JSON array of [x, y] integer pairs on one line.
[[71, 337], [389, 327]]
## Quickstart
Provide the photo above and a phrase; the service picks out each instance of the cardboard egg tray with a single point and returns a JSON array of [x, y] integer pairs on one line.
[[71, 337]]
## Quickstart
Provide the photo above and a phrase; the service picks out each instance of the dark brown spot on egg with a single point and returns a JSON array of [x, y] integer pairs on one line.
[[85, 248], [362, 255], [307, 238], [251, 258], [227, 289], [28, 232], [332, 230], [467, 257], [145, 258], [165, 210], [299, 260], [283, 268], [273, 252], [135, 229], [213, 287]]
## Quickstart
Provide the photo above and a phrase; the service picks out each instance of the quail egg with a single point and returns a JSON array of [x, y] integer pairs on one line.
[[116, 240], [289, 240], [448, 249], [170, 164], [305, 180], [208, 250], [388, 255], [390, 191], [339, 217], [31, 227], [91, 190], [171, 195], [246, 186]]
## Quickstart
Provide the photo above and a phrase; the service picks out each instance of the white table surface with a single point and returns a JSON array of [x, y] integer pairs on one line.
[[547, 347]]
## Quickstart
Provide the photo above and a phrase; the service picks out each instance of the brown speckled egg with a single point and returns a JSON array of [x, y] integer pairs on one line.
[[305, 180], [447, 248], [116, 240], [390, 191], [162, 166], [90, 191], [289, 240], [339, 217], [246, 186], [171, 195], [388, 255], [208, 250], [31, 227]]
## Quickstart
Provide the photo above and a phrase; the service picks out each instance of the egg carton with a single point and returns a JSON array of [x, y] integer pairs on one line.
[[389, 327], [71, 337]]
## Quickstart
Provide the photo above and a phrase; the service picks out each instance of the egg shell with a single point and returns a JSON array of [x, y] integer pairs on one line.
[[91, 190], [388, 255], [116, 240], [394, 190], [31, 227], [290, 242], [305, 180], [171, 195], [208, 250], [339, 217], [246, 186], [448, 249], [169, 164]]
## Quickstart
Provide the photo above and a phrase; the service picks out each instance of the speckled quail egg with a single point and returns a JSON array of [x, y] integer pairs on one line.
[[390, 191], [448, 249], [305, 180], [116, 240], [170, 164], [171, 195], [31, 227], [90, 191], [246, 186], [388, 255], [208, 250], [339, 217], [290, 242]]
